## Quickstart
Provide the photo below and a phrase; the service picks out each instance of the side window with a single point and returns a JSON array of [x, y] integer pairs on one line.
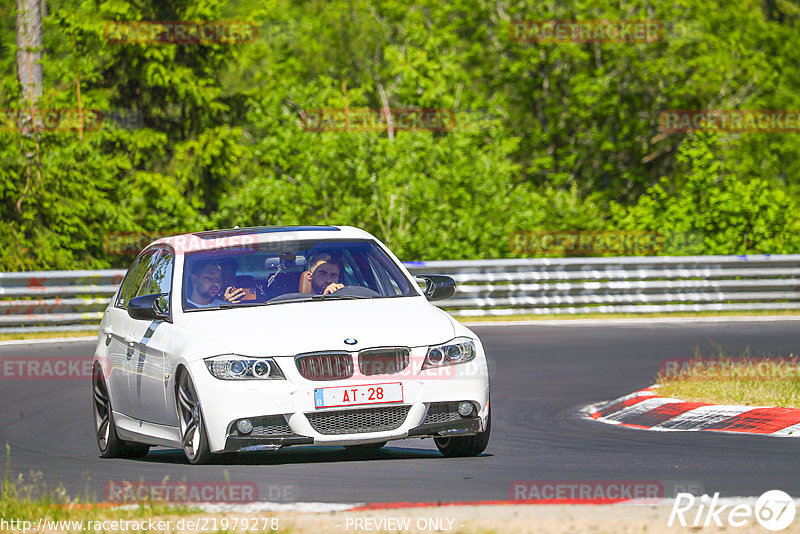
[[120, 303], [159, 276], [134, 278]]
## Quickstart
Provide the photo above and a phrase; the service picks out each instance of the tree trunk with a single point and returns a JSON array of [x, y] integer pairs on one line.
[[29, 74], [29, 50]]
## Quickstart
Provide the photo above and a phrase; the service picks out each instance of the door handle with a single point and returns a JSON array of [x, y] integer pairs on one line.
[[107, 331], [129, 339]]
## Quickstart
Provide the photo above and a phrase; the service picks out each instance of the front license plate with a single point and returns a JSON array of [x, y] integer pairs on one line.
[[358, 395]]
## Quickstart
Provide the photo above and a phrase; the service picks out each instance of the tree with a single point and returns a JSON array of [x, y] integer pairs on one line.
[[29, 52], [709, 211]]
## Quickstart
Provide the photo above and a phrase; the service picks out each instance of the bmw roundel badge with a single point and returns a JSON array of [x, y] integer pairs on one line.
[[351, 341]]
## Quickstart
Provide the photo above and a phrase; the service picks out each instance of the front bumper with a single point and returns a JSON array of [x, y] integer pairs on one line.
[[466, 426], [225, 402], [238, 443]]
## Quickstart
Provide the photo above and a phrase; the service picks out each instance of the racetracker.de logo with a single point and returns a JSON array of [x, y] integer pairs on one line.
[[586, 491], [181, 492], [49, 368], [734, 121], [131, 243], [586, 31], [180, 32], [50, 120], [730, 368], [377, 120], [581, 243]]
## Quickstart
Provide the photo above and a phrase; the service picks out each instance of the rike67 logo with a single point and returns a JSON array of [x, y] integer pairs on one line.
[[774, 510]]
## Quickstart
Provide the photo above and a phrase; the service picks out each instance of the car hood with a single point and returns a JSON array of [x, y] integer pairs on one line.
[[292, 328]]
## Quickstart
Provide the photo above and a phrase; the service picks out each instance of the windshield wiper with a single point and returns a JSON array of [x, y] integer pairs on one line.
[[334, 296], [220, 307], [281, 301]]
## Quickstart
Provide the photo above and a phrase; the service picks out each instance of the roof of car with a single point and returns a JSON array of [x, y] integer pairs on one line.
[[237, 236], [213, 234]]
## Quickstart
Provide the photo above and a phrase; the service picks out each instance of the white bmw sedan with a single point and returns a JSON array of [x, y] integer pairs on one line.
[[261, 338]]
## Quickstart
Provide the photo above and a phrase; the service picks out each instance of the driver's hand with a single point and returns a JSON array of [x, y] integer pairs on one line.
[[332, 287], [233, 294]]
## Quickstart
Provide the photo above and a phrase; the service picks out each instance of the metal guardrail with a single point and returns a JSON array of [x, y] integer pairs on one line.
[[653, 284], [55, 300], [74, 300]]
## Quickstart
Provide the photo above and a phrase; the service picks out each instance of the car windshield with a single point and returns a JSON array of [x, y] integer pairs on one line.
[[291, 271]]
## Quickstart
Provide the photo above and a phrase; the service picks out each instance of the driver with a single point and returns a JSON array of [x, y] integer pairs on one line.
[[322, 277], [206, 282]]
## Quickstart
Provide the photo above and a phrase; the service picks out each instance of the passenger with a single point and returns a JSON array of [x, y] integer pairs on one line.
[[322, 277], [228, 292]]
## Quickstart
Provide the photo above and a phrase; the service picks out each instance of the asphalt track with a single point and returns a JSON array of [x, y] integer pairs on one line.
[[541, 374]]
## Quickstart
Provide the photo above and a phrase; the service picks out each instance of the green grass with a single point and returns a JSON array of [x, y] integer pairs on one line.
[[772, 381], [29, 498], [46, 335]]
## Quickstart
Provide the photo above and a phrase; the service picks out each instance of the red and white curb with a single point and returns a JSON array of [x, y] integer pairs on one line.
[[644, 409]]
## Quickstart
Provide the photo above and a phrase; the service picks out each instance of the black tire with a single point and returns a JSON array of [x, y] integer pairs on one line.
[[461, 446], [136, 450], [190, 415], [366, 447], [109, 443]]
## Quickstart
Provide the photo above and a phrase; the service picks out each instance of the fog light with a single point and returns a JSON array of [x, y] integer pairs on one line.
[[464, 408], [244, 426]]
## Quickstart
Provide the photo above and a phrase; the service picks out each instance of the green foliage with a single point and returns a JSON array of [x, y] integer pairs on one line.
[[547, 136], [708, 210]]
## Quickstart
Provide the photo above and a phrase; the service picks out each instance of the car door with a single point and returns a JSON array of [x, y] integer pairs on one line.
[[148, 364], [117, 330]]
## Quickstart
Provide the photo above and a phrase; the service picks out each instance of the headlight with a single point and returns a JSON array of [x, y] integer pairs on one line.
[[233, 367], [459, 350]]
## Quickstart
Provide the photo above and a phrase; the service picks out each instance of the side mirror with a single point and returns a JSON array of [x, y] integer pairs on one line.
[[149, 307], [438, 286]]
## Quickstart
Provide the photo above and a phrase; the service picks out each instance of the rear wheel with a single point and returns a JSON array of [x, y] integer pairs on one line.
[[460, 446], [109, 443], [193, 428]]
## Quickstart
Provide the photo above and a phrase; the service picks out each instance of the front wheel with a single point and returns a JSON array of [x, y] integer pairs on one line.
[[109, 443], [193, 428], [465, 445]]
